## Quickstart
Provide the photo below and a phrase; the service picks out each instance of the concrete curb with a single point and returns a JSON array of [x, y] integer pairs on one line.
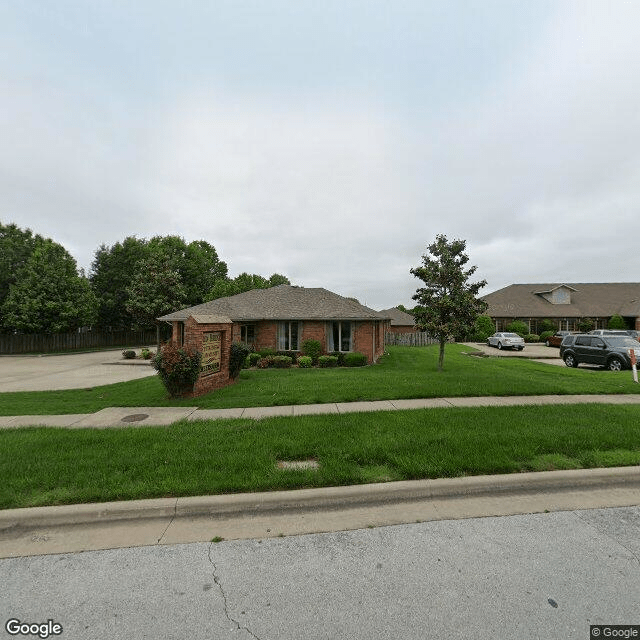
[[349, 497]]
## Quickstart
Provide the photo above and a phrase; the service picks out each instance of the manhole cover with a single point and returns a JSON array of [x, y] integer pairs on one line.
[[298, 464], [135, 417]]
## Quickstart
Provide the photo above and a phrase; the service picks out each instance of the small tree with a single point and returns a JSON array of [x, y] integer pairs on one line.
[[616, 322], [586, 324], [483, 328], [448, 305]]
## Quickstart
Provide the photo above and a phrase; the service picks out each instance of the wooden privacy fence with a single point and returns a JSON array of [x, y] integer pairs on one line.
[[46, 343], [417, 339]]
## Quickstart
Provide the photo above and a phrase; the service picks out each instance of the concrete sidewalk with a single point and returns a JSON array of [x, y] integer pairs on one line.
[[164, 416]]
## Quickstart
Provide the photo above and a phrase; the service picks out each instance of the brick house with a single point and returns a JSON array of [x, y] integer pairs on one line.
[[565, 304], [283, 317], [401, 322]]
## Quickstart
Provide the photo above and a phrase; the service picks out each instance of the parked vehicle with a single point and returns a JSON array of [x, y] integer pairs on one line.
[[610, 351], [556, 339], [506, 341], [609, 332]]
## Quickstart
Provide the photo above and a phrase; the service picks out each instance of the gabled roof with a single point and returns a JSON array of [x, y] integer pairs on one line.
[[586, 300], [398, 318], [284, 302]]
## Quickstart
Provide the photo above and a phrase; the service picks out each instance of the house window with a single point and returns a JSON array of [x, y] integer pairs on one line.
[[288, 336], [248, 333], [340, 336], [180, 334]]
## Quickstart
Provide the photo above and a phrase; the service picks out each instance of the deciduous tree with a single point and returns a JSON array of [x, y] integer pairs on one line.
[[447, 303]]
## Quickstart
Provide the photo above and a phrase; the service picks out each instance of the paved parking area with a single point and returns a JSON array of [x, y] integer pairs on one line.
[[69, 371], [535, 351]]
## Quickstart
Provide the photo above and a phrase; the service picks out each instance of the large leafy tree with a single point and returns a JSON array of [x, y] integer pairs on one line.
[[244, 282], [447, 303], [155, 290], [16, 247], [111, 274], [49, 296]]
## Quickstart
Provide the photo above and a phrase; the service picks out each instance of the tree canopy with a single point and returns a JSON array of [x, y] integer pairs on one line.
[[49, 296], [447, 303]]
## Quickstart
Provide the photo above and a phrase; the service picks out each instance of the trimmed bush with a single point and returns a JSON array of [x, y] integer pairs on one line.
[[483, 327], [305, 362], [146, 354], [282, 362], [239, 353], [178, 368], [265, 353], [254, 358], [519, 327], [545, 335], [340, 355], [532, 337], [586, 324], [266, 362], [547, 326], [128, 354], [327, 361], [616, 322], [355, 359], [312, 348]]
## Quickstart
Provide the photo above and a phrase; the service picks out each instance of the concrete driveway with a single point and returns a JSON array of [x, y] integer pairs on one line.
[[535, 351], [69, 371]]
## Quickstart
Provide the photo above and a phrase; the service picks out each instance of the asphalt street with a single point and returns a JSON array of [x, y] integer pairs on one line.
[[547, 576]]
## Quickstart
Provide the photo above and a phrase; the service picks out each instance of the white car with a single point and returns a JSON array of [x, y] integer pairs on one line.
[[506, 341]]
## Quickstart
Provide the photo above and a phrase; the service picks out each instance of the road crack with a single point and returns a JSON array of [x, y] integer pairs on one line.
[[218, 583], [173, 517]]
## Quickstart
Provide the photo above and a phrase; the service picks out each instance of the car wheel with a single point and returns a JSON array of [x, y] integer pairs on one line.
[[570, 360], [520, 348], [547, 344], [615, 364], [499, 345]]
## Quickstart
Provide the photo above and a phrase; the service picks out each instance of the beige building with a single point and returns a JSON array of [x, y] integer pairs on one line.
[[565, 304]]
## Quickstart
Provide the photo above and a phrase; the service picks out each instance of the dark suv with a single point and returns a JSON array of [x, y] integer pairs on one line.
[[610, 351]]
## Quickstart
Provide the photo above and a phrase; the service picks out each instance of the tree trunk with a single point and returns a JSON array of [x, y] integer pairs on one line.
[[441, 357]]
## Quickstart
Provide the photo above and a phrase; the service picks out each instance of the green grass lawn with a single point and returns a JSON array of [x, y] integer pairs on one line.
[[45, 466], [406, 372]]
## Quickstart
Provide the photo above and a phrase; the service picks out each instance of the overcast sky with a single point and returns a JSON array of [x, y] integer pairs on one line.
[[330, 141]]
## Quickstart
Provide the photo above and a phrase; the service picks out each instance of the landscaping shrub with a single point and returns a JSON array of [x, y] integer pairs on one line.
[[483, 327], [616, 322], [265, 353], [282, 362], [266, 362], [532, 337], [355, 359], [312, 348], [178, 368], [289, 354], [128, 354], [545, 335], [146, 354], [586, 324], [340, 355], [305, 362], [328, 361], [239, 353], [254, 358], [519, 327], [547, 326]]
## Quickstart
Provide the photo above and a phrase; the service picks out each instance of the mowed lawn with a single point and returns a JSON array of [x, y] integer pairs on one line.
[[405, 372], [46, 466]]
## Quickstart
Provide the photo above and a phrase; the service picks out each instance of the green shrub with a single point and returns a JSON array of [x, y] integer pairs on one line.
[[289, 354], [483, 327], [547, 326], [146, 354], [305, 362], [128, 354], [545, 335], [355, 359], [239, 353], [616, 322], [340, 355], [266, 362], [519, 327], [265, 353], [254, 358], [532, 337], [282, 362], [178, 368], [586, 324], [328, 361], [312, 348]]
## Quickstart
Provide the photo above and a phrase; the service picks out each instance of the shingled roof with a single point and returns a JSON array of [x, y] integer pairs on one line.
[[284, 302], [581, 300], [398, 318]]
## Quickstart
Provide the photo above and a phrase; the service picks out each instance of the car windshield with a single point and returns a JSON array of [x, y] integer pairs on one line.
[[511, 335], [622, 341]]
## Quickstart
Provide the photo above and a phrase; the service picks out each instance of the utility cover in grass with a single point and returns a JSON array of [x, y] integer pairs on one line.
[[298, 464]]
